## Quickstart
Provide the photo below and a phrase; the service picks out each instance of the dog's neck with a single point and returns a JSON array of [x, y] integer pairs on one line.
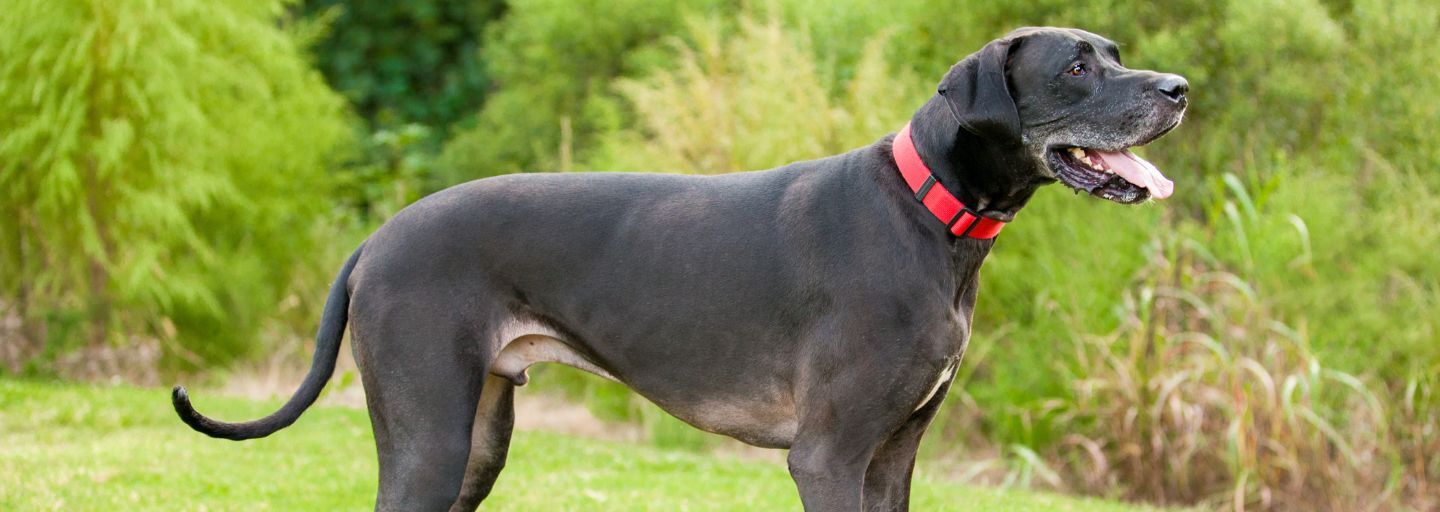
[[969, 166]]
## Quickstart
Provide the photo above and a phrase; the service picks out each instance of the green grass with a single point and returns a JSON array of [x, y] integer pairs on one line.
[[67, 447]]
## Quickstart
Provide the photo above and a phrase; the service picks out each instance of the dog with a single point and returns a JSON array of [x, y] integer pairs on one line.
[[822, 306]]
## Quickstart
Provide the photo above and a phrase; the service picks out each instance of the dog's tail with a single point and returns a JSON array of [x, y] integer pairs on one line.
[[327, 346]]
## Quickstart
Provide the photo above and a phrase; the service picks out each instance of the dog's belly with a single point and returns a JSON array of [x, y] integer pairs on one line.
[[765, 419], [757, 421]]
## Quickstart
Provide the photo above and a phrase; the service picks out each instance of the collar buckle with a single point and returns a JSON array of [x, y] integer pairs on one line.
[[975, 218]]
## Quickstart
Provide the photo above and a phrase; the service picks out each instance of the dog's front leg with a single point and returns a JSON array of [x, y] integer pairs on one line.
[[830, 471], [842, 433], [887, 482]]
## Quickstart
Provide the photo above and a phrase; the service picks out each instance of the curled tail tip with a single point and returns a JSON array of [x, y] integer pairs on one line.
[[181, 400]]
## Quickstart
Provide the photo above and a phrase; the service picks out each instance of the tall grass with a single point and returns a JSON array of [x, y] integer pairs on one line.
[[1205, 394]]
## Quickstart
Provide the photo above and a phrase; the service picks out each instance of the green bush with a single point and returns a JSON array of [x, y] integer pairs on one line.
[[553, 61], [405, 62], [161, 172], [745, 98]]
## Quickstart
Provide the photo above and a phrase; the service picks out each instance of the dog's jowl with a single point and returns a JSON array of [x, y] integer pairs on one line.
[[822, 306]]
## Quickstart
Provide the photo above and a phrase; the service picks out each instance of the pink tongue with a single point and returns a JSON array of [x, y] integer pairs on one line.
[[1138, 171]]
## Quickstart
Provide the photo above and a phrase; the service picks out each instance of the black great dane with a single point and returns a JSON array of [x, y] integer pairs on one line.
[[821, 306]]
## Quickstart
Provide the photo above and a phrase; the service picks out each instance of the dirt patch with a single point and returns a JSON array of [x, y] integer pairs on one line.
[[15, 346]]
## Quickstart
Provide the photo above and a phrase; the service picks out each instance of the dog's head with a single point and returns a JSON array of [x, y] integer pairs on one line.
[[1062, 97]]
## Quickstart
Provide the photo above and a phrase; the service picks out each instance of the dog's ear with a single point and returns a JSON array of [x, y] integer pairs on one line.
[[978, 93]]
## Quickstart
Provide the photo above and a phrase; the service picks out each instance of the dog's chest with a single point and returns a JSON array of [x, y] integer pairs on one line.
[[940, 380]]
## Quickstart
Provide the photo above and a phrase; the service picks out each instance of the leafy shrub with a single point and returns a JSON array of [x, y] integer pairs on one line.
[[391, 168], [161, 172], [748, 100], [553, 61], [405, 62]]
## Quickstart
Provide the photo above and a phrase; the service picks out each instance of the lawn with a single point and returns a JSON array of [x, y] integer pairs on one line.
[[68, 447]]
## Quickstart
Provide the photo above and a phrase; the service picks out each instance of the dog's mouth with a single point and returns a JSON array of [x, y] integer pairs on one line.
[[1119, 176]]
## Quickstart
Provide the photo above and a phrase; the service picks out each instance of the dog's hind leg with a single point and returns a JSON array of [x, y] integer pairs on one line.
[[489, 442], [423, 367]]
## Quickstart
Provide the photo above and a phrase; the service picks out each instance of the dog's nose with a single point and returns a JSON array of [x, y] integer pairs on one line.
[[1173, 87]]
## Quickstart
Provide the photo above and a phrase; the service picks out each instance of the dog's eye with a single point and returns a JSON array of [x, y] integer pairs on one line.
[[1078, 69]]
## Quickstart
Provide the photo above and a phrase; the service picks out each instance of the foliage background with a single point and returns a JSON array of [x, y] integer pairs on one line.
[[181, 179], [155, 164]]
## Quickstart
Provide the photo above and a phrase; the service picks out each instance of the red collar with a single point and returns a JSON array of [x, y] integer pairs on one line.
[[961, 220]]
